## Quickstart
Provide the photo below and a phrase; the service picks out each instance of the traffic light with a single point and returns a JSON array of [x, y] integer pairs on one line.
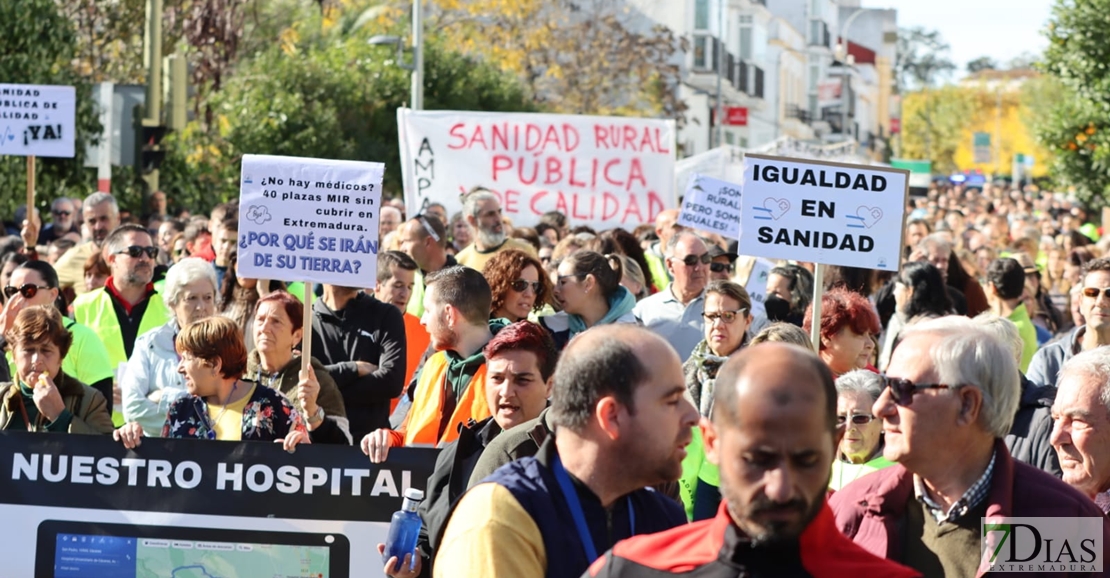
[[151, 154]]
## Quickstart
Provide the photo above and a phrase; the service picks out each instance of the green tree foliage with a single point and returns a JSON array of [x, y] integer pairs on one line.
[[38, 46], [1077, 128], [980, 64], [922, 58], [325, 97]]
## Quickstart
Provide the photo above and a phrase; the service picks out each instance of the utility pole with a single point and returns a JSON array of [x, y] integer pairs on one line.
[[418, 54], [152, 60], [720, 58]]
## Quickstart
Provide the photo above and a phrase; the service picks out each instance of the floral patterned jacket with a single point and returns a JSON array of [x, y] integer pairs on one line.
[[268, 416]]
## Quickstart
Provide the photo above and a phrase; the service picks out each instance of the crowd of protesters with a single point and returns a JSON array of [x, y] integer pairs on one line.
[[607, 403]]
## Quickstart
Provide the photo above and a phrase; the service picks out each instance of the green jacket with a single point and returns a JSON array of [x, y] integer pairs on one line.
[[86, 410]]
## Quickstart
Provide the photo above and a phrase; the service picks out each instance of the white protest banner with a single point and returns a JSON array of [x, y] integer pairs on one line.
[[37, 120], [309, 220], [599, 171], [712, 206], [821, 212]]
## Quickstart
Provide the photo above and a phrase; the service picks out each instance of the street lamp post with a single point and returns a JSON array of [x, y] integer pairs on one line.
[[417, 66]]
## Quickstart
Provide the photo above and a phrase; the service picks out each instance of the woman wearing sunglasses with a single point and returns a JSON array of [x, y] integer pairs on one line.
[[519, 285], [727, 317], [42, 397], [36, 283], [861, 449], [588, 288], [849, 324], [220, 404]]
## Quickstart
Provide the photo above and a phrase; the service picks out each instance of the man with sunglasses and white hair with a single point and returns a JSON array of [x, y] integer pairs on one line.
[[676, 312], [127, 306], [1094, 305], [949, 398]]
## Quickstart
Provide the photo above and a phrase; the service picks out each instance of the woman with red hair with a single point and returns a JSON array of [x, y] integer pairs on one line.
[[849, 325]]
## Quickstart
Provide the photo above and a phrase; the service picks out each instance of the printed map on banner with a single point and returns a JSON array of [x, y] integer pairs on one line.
[[600, 171], [821, 212], [37, 120], [712, 206], [309, 220]]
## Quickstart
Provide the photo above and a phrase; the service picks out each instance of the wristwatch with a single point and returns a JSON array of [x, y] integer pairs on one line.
[[317, 417]]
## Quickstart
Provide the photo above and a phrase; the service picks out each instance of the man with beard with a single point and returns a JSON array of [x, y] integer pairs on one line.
[[774, 435], [450, 388], [101, 214], [482, 210], [127, 306], [622, 424]]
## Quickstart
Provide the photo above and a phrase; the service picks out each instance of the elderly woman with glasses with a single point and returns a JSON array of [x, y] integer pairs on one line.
[[861, 448], [518, 283], [152, 383], [36, 283], [727, 318], [220, 404], [42, 397]]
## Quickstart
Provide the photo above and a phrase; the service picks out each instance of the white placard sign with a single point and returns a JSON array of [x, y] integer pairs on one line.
[[309, 220], [757, 281], [819, 212], [37, 120], [599, 171], [711, 205]]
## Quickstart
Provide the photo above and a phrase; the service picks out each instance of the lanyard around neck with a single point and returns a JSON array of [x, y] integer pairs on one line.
[[575, 507]]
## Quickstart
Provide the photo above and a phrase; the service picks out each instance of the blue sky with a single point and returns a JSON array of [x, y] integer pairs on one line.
[[1001, 29]]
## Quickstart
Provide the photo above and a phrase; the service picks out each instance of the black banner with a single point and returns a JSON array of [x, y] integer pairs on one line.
[[252, 479]]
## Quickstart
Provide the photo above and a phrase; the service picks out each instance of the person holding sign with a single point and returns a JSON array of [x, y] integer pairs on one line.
[[278, 329], [152, 382], [42, 398], [221, 405]]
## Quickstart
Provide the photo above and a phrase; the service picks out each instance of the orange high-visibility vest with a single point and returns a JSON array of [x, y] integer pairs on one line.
[[422, 423]]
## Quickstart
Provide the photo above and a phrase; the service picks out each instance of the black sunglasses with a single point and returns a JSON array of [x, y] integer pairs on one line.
[[136, 251], [520, 285], [857, 419], [719, 267], [28, 291], [902, 390], [692, 260], [62, 213]]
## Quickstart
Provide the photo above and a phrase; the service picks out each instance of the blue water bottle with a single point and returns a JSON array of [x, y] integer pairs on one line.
[[404, 529]]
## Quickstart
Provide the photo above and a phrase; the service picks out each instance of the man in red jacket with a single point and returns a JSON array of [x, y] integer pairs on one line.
[[949, 400], [774, 436]]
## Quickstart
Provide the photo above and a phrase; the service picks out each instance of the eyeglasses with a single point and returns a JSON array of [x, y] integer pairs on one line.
[[520, 286], [1093, 292], [726, 316], [692, 260], [902, 390], [136, 251], [28, 291], [718, 267], [62, 213], [857, 419]]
